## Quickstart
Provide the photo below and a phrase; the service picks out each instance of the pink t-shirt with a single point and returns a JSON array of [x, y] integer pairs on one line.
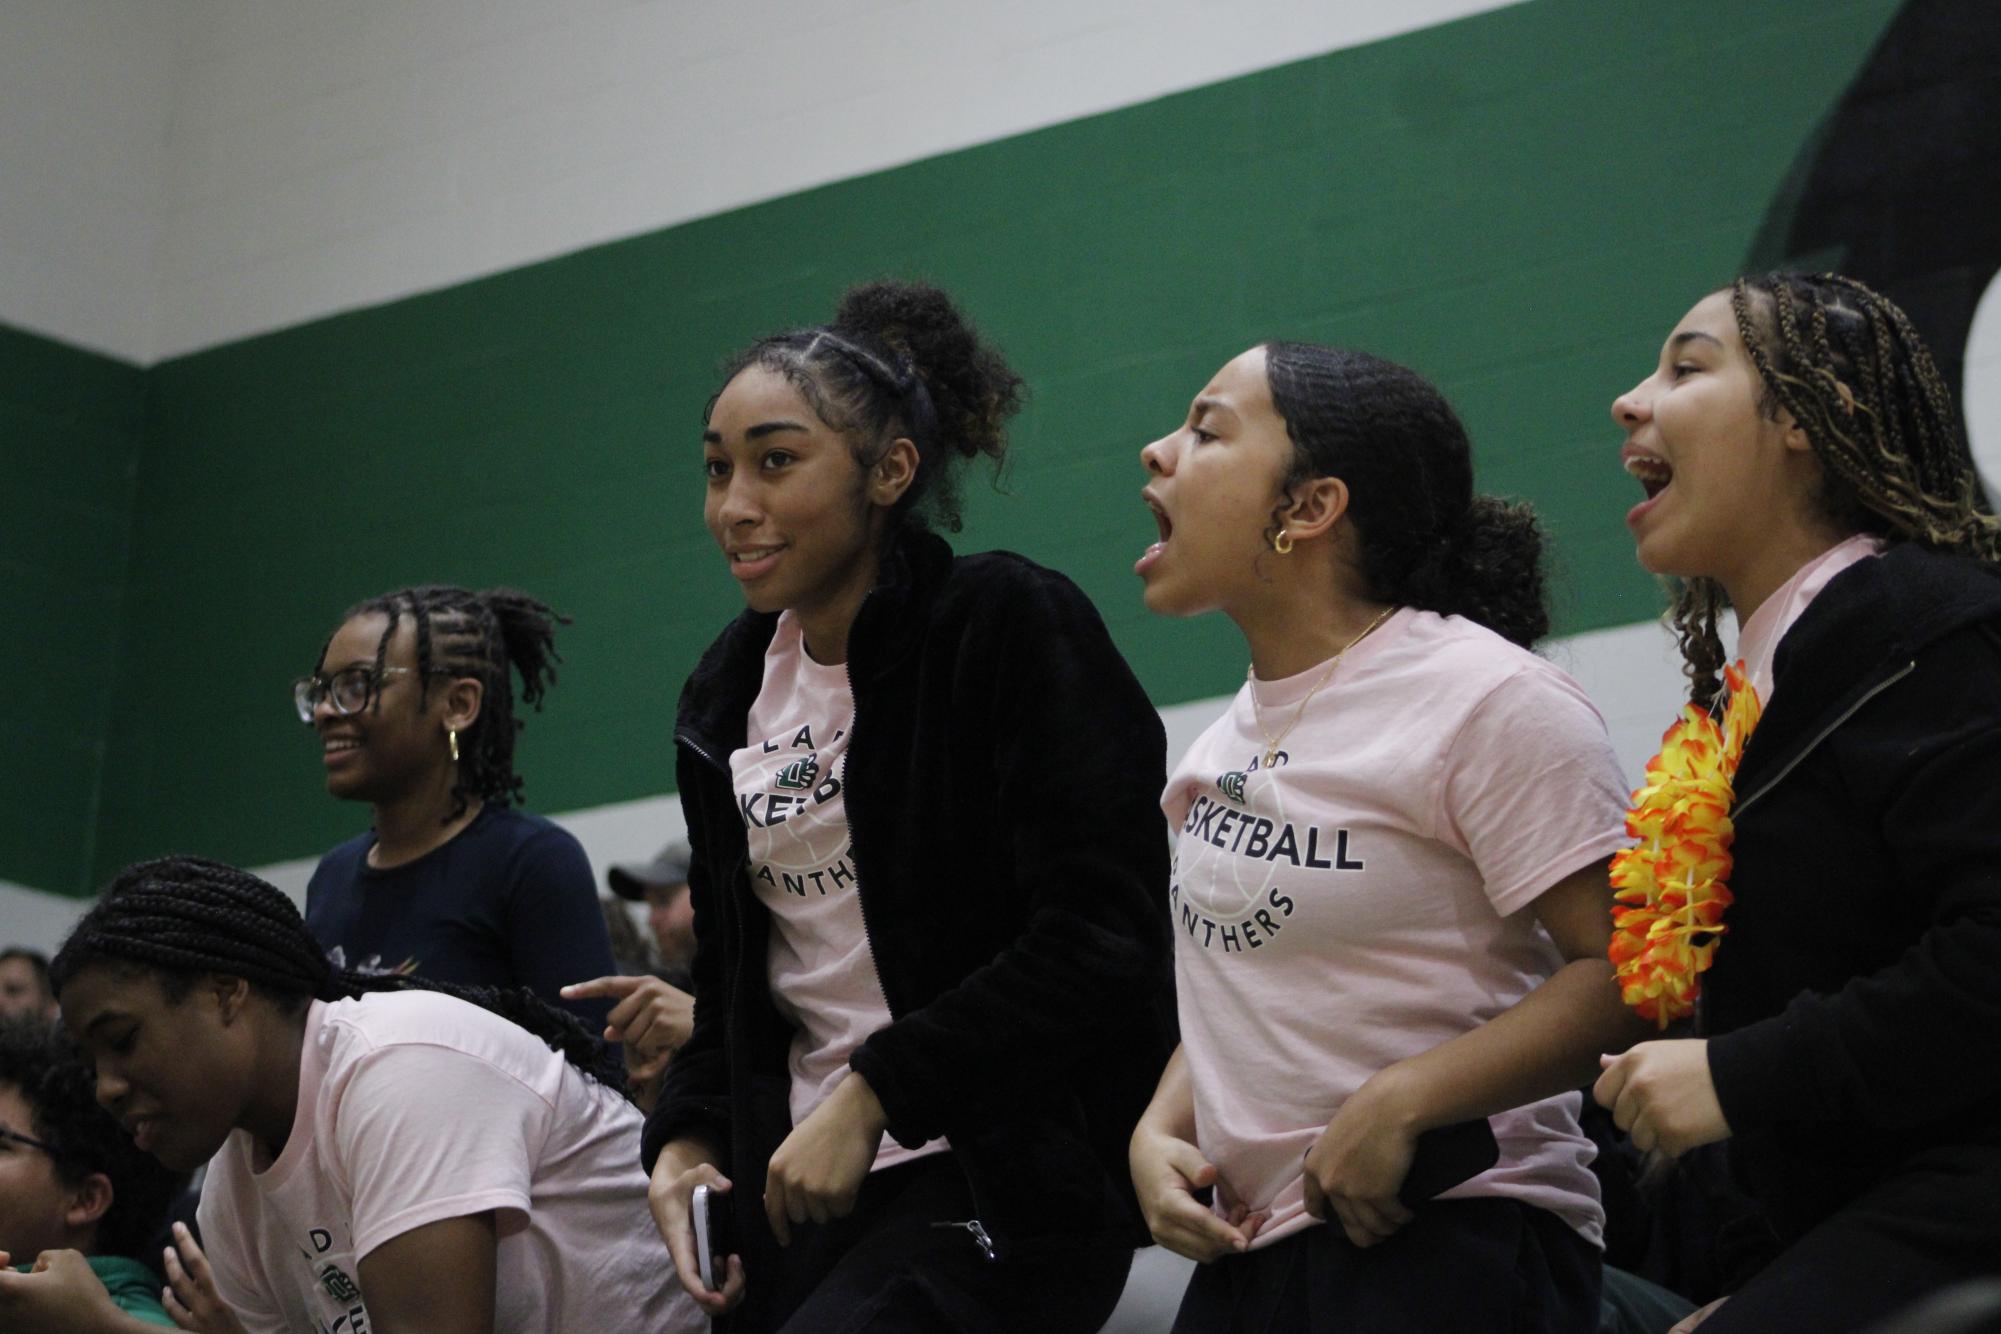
[[413, 1108], [1366, 898], [788, 785], [1758, 638]]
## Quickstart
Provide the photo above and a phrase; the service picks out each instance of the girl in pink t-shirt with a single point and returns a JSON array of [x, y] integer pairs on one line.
[[1389, 895], [383, 1152]]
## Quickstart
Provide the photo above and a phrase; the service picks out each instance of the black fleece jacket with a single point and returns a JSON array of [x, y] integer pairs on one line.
[[1854, 1009], [1002, 790]]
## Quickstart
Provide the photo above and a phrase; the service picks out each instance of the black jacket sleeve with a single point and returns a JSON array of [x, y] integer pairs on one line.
[[1912, 1043]]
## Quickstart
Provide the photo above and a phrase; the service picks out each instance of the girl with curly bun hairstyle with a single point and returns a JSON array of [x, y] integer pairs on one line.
[[1802, 461], [1389, 895], [931, 966]]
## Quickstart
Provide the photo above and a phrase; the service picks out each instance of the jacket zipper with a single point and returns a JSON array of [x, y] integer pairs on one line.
[[854, 848], [1823, 735], [981, 1237]]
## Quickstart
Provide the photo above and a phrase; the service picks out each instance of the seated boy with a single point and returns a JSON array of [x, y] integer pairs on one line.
[[79, 1203]]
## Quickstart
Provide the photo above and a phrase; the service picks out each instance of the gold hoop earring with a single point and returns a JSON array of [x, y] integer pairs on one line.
[[1282, 543], [452, 736]]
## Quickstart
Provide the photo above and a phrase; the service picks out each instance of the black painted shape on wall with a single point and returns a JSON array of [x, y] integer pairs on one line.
[[1901, 185]]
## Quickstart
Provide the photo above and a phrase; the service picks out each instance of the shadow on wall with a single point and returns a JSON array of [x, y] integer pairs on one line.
[[1897, 187]]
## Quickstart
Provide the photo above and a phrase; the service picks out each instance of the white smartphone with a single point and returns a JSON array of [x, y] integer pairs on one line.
[[709, 1257]]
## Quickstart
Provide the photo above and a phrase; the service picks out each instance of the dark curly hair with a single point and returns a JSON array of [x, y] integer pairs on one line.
[[55, 1081], [1849, 367], [1425, 539], [182, 918], [488, 635], [900, 360]]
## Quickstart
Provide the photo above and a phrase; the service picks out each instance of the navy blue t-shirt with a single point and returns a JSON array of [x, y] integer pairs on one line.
[[509, 901]]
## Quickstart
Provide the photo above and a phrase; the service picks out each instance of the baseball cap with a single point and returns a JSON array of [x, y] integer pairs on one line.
[[631, 880]]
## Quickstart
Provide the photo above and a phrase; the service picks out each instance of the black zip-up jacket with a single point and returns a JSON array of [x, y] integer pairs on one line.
[[1854, 1008], [1002, 789]]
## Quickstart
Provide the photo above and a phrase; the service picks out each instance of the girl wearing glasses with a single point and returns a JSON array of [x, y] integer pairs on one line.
[[1803, 461], [931, 958], [413, 704], [1390, 897]]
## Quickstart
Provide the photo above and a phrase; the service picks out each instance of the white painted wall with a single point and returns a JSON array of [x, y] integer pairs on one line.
[[205, 170], [86, 88]]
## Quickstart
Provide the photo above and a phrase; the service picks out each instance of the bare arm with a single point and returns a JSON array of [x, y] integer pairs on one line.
[[1546, 1043], [1168, 1169], [61, 1296], [434, 1279], [682, 1165]]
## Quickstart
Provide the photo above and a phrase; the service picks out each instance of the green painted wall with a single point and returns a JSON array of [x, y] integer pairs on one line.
[[71, 425], [1519, 204]]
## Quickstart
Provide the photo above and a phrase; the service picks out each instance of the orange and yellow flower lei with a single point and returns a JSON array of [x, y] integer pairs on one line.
[[1669, 888]]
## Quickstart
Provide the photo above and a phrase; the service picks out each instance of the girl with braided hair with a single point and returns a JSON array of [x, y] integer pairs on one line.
[[1803, 463], [413, 703], [930, 966], [383, 1152], [1390, 893]]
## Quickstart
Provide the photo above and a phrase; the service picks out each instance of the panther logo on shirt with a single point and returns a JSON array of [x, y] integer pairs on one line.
[[1232, 785], [799, 775]]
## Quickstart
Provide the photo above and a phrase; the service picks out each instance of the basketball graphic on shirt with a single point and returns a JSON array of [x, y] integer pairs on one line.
[[1227, 885], [787, 783]]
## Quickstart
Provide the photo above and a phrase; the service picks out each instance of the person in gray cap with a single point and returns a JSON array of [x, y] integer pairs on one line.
[[662, 884], [652, 1013]]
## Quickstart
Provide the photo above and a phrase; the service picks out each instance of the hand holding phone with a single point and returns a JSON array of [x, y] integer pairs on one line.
[[708, 1215]]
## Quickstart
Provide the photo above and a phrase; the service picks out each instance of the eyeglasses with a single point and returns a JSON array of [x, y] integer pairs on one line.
[[348, 689], [28, 1140]]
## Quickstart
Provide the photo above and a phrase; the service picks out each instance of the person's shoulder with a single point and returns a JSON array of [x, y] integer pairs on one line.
[[1910, 592], [1006, 583], [343, 859], [134, 1288], [509, 833], [1467, 653], [431, 1045], [1491, 678], [378, 1021]]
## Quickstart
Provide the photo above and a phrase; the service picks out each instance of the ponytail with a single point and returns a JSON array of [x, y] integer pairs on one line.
[[1425, 539]]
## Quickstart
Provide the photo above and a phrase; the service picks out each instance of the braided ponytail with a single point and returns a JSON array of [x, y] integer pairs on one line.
[[183, 917]]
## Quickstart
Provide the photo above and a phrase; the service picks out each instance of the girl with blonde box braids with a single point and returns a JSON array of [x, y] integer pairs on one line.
[[1803, 463]]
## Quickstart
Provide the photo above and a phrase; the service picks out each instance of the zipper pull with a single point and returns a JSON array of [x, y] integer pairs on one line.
[[978, 1232]]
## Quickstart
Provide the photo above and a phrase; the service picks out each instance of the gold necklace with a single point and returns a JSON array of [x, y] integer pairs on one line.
[[1257, 714]]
